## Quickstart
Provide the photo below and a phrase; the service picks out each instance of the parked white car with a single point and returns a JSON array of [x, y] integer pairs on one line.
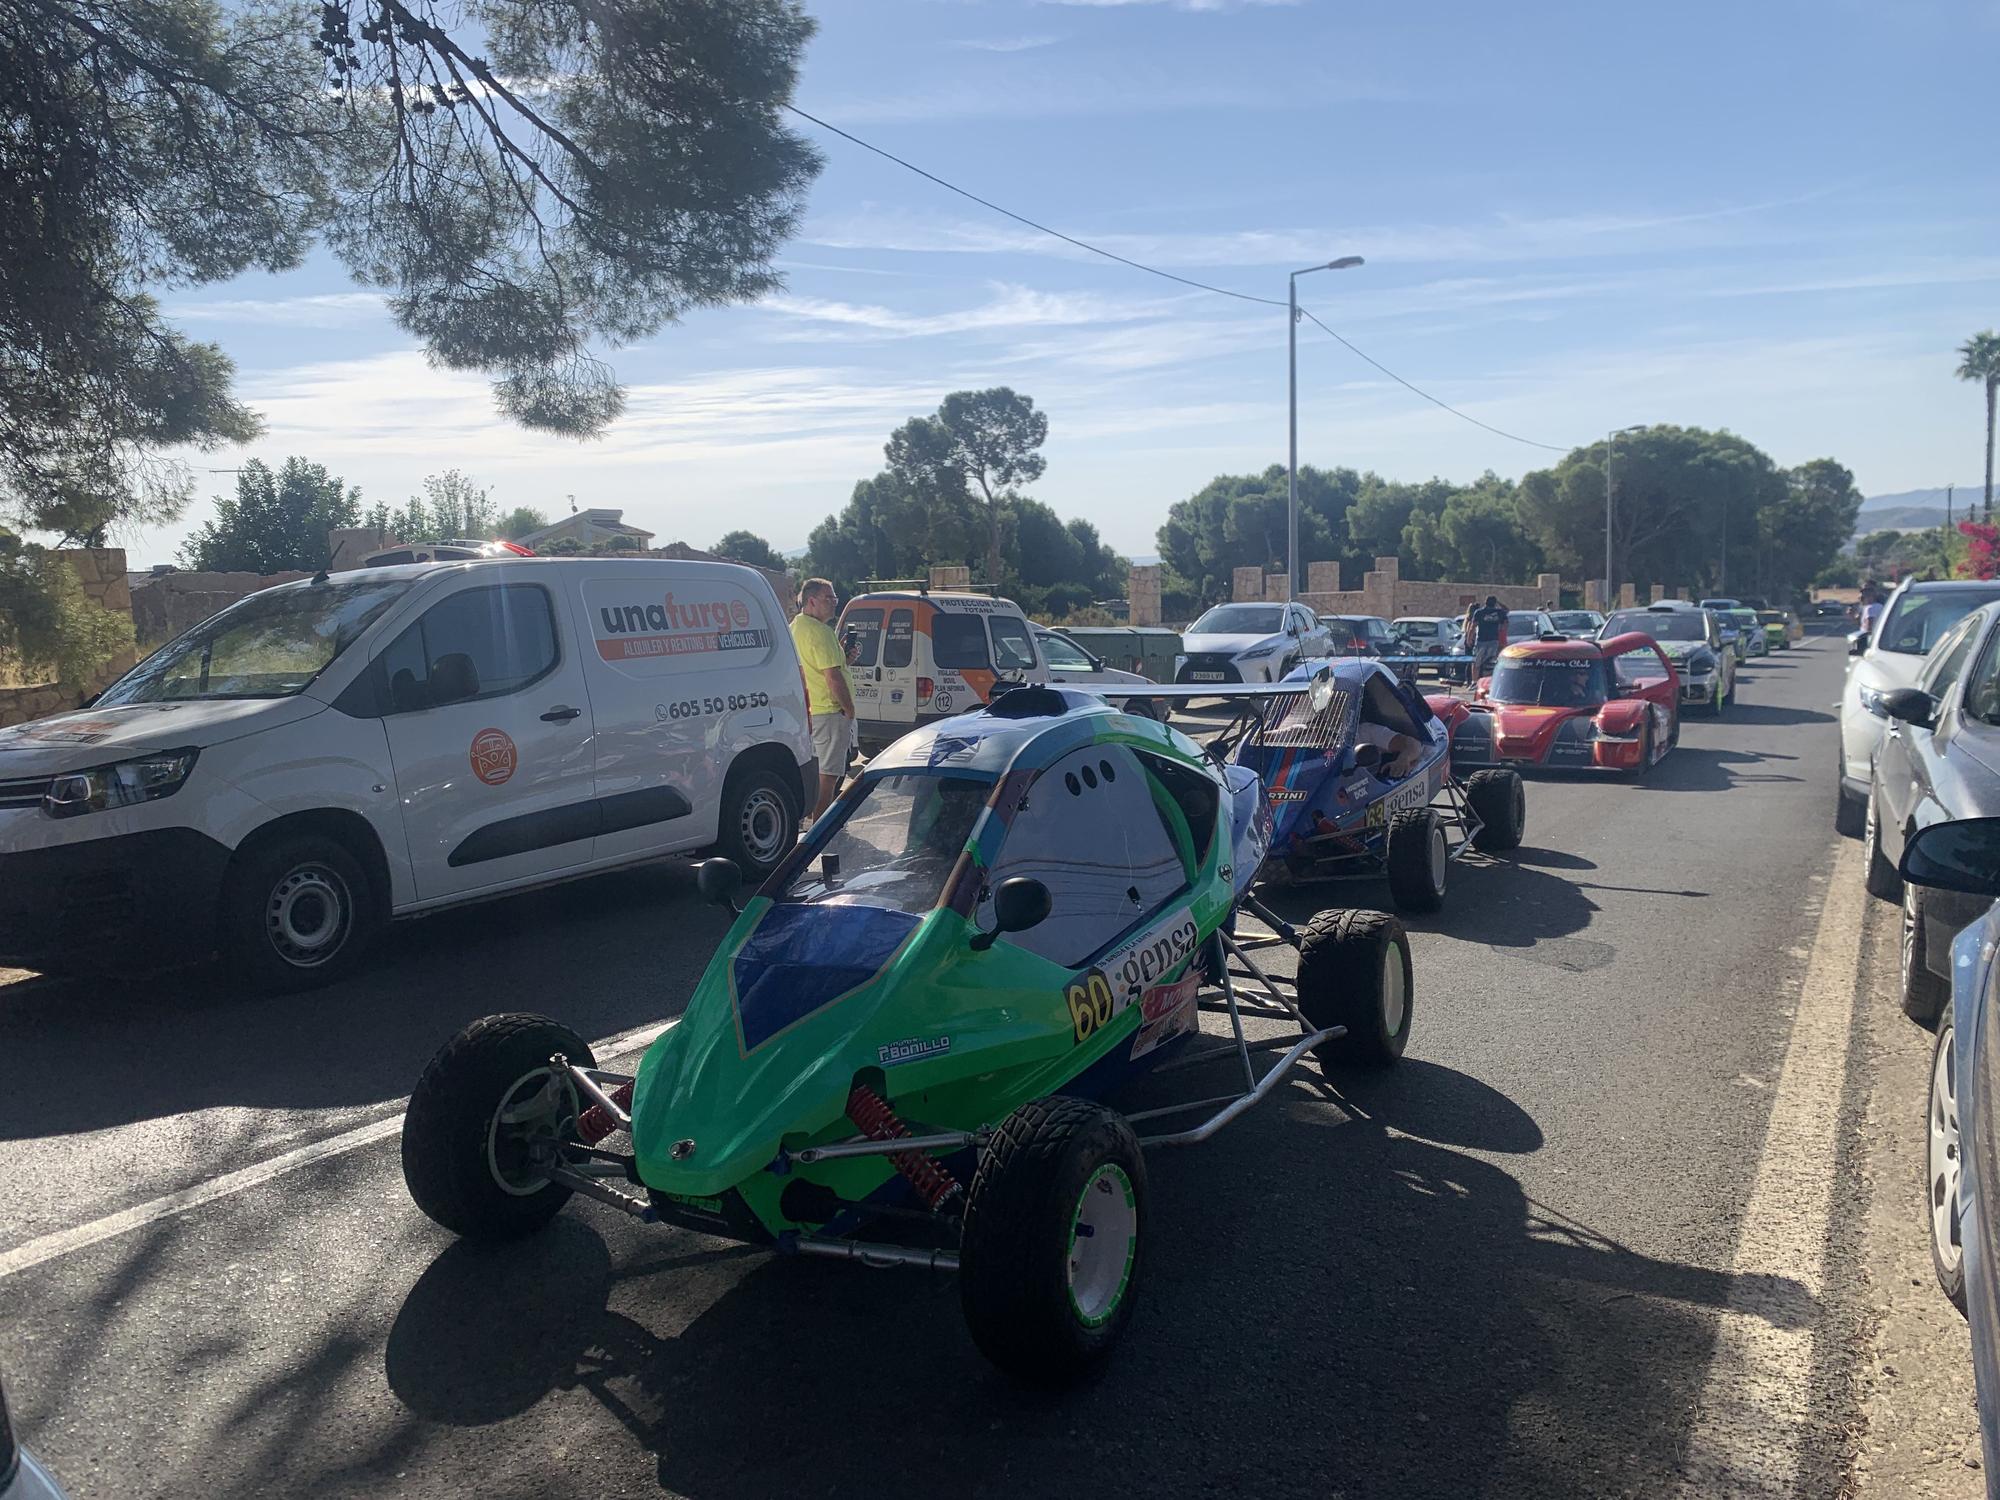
[[325, 755], [1916, 617], [1067, 662], [1249, 643]]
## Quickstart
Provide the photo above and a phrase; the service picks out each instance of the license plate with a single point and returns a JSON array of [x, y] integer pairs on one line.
[[1206, 676]]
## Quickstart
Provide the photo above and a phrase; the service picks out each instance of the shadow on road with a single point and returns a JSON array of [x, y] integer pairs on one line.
[[1410, 1324], [1772, 715], [606, 954], [1697, 769]]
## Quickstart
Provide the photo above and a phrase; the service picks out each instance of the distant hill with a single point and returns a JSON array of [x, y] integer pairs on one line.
[[1915, 510]]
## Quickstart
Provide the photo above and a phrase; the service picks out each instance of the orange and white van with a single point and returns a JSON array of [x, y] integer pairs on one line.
[[916, 657]]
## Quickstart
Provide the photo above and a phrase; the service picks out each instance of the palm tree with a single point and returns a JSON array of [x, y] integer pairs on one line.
[[1979, 359]]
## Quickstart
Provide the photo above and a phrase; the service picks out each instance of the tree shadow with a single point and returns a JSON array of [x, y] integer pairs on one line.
[[611, 953], [1385, 1315]]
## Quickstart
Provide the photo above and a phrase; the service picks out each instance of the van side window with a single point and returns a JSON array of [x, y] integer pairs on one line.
[[1089, 830], [861, 636], [482, 643], [898, 646], [1013, 647], [959, 641]]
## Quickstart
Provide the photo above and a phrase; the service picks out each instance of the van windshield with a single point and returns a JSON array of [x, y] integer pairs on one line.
[[270, 645]]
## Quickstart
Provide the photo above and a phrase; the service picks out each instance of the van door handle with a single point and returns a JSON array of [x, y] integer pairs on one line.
[[560, 715]]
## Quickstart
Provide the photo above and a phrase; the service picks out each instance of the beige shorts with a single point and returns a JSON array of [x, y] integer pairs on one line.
[[833, 743]]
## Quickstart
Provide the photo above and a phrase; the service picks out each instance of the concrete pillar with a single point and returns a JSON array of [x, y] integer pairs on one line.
[[1628, 596], [1378, 590], [1323, 578], [1593, 594], [1392, 566], [1142, 591], [1277, 587], [1246, 583], [1550, 587]]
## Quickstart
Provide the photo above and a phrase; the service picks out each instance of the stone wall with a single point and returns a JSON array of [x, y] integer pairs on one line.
[[1385, 592], [101, 572], [1142, 590]]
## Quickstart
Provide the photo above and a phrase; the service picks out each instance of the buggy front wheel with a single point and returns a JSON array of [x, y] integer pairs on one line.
[[1354, 971], [1050, 1252], [485, 1123]]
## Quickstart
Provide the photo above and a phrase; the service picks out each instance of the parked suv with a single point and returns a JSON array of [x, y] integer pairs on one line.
[[325, 755], [1918, 616], [1250, 643]]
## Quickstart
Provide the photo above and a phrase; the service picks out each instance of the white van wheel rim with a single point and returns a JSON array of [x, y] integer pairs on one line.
[[761, 825], [1103, 1242], [309, 915], [1395, 1001], [1944, 1158]]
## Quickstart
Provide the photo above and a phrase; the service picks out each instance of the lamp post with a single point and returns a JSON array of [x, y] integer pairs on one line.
[[1610, 584], [1345, 262]]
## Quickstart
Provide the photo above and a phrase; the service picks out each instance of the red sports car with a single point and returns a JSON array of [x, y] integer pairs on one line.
[[1608, 705]]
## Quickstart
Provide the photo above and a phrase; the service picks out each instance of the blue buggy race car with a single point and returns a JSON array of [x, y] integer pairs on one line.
[[1341, 808]]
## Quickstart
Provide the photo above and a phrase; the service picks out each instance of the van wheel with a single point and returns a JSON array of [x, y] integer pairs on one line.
[[760, 821], [297, 913]]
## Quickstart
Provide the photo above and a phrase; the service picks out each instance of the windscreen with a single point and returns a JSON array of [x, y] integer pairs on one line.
[[897, 846], [1550, 681], [1920, 617], [1522, 622], [1240, 619], [1571, 621], [269, 645], [1660, 624]]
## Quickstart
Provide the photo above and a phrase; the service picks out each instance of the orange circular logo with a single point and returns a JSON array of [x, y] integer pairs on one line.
[[493, 756]]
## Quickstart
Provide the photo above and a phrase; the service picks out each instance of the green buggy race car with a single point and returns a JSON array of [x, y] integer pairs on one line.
[[897, 1055]]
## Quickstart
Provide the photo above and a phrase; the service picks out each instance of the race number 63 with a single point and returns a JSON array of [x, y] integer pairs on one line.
[[1090, 1003]]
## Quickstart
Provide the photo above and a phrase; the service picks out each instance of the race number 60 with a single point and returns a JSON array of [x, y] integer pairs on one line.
[[1090, 1003]]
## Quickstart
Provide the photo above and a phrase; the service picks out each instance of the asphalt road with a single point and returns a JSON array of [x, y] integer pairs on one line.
[[1499, 1269]]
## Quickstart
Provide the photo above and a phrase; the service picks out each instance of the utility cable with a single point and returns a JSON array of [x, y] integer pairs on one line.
[[1137, 265]]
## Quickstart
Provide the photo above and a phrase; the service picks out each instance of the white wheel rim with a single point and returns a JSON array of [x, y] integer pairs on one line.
[[1440, 857], [762, 825], [1944, 1159], [308, 915], [1103, 1243], [1395, 999], [525, 1123]]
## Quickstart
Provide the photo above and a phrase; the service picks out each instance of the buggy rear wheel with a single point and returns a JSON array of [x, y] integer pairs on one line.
[[1354, 971], [1050, 1252], [1418, 857], [486, 1121], [1500, 802]]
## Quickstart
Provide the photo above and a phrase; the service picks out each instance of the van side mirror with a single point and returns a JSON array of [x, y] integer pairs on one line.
[[1961, 856], [1857, 644], [718, 880], [1911, 705], [1019, 903], [454, 679]]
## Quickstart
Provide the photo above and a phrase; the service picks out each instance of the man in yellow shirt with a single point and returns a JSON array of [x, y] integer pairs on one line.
[[829, 691]]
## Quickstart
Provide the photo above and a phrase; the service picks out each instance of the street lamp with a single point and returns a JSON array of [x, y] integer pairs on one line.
[[1346, 262], [1610, 585]]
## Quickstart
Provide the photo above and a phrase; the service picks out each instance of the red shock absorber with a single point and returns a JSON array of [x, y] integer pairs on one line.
[[871, 1114], [595, 1123]]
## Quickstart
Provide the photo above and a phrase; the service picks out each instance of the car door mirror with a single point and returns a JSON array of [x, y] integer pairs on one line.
[[1019, 903], [1961, 856], [1857, 644], [719, 880], [1911, 706], [453, 679]]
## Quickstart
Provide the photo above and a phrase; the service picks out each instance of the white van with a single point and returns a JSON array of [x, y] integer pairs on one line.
[[325, 755], [917, 657]]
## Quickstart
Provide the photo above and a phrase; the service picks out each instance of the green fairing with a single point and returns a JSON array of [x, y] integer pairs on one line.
[[1004, 1009]]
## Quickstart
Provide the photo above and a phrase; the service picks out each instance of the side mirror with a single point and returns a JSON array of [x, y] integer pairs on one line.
[[1912, 706], [1962, 856], [1018, 904], [1857, 644], [719, 880]]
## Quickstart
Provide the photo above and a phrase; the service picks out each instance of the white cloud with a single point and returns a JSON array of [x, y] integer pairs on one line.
[[329, 310], [1002, 43], [1011, 307], [1209, 5]]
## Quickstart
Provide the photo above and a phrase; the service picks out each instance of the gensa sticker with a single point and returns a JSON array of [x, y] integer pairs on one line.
[[493, 756]]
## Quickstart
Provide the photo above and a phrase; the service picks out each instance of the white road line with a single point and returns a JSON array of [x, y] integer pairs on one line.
[[65, 1241], [1756, 1396]]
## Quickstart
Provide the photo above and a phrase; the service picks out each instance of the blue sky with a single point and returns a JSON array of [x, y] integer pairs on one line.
[[1777, 218]]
